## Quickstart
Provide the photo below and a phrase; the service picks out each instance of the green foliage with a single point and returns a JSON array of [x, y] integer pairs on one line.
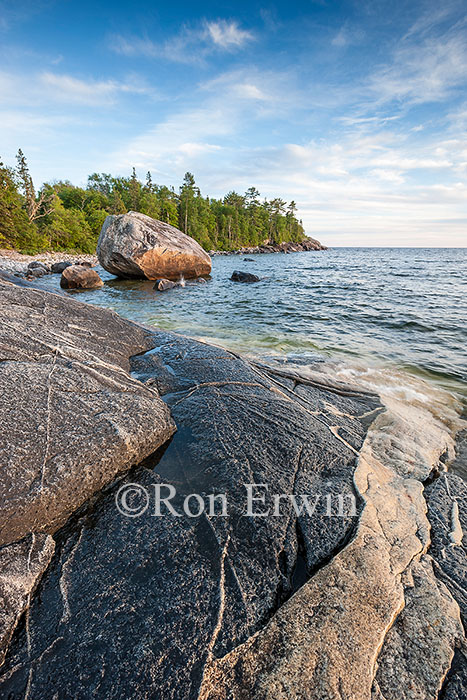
[[64, 217], [15, 229]]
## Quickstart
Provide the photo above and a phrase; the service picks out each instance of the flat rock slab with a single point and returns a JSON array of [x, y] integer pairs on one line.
[[145, 603]]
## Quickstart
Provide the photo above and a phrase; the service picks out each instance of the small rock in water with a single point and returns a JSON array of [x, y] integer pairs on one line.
[[57, 268], [84, 263], [37, 269], [78, 277], [238, 276], [163, 285], [248, 260]]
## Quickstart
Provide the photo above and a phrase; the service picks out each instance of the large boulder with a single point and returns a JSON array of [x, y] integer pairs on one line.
[[134, 245], [72, 416]]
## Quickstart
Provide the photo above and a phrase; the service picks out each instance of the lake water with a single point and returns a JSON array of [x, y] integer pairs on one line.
[[389, 319]]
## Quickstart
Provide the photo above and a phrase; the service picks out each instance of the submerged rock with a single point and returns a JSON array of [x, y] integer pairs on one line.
[[238, 276], [163, 285], [134, 245], [78, 277]]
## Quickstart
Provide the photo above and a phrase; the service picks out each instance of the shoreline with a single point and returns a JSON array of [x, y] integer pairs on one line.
[[14, 261], [376, 581], [308, 245]]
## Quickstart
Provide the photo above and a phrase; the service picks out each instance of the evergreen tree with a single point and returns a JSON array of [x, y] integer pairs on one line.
[[36, 207], [63, 216]]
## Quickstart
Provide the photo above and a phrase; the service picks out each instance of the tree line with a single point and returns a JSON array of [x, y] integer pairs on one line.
[[60, 216]]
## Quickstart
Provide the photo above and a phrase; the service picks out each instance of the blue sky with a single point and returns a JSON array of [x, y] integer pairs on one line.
[[356, 110]]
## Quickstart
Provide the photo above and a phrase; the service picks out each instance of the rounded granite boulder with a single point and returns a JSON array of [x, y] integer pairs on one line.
[[134, 245]]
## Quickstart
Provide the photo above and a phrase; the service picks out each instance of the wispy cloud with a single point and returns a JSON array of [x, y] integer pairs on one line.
[[227, 35], [44, 88], [70, 89], [423, 71], [190, 45], [347, 36]]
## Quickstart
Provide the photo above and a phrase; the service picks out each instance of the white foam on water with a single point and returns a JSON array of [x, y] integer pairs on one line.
[[420, 421]]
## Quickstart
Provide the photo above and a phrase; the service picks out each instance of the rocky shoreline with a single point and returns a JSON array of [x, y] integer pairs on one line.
[[366, 605], [17, 263], [309, 244]]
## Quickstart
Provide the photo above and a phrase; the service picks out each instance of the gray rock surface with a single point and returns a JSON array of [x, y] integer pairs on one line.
[[72, 417], [447, 512], [21, 566], [134, 245], [419, 648], [339, 602], [143, 603]]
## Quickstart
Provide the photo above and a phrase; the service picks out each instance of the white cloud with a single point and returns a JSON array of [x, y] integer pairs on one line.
[[425, 71], [227, 34], [67, 88], [38, 91], [347, 36], [190, 45]]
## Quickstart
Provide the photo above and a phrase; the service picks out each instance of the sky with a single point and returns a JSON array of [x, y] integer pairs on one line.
[[355, 109]]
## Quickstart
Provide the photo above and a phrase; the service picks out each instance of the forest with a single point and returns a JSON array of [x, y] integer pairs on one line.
[[62, 217]]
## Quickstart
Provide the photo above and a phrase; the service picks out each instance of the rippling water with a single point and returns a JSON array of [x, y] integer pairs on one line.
[[390, 319], [399, 307]]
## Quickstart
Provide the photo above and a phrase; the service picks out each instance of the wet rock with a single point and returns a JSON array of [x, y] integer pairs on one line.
[[78, 277], [37, 269], [447, 513], [57, 268], [134, 245], [146, 603], [21, 565], [37, 265], [238, 276], [248, 260], [163, 285]]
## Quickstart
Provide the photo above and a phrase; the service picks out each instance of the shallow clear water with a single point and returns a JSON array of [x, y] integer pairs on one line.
[[403, 308], [389, 320]]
